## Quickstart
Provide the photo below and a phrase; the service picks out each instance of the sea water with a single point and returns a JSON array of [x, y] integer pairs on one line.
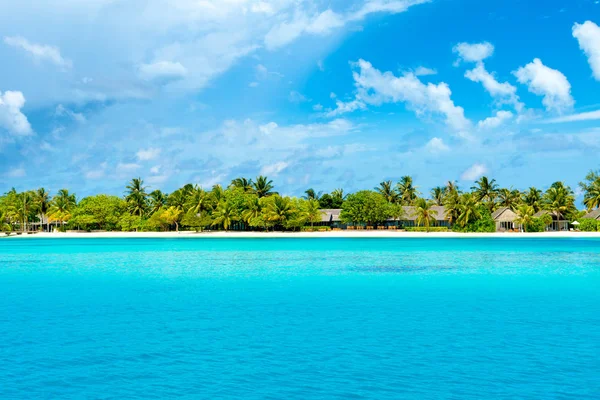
[[300, 318]]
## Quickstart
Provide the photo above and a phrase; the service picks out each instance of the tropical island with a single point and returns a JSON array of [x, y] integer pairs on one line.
[[253, 205]]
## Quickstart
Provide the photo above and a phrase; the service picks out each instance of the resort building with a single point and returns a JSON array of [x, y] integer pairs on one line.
[[558, 222], [595, 214], [330, 217], [409, 217], [505, 219]]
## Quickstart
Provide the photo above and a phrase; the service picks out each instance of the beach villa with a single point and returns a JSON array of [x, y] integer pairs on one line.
[[505, 219], [595, 214], [331, 218], [559, 223]]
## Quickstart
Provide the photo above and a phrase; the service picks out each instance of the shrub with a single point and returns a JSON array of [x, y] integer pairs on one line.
[[588, 225], [315, 228], [423, 229], [536, 225]]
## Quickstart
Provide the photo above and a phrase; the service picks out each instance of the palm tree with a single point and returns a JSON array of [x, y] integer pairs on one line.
[[42, 203], [279, 210], [559, 200], [224, 214], [438, 194], [312, 195], [25, 205], [338, 197], [137, 197], [591, 197], [242, 183], [217, 193], [157, 200], [510, 198], [533, 197], [263, 187], [61, 206], [452, 187], [591, 190], [425, 215], [525, 215], [452, 207], [253, 209], [178, 199], [406, 190], [386, 190], [468, 208], [311, 211], [197, 201], [486, 191]]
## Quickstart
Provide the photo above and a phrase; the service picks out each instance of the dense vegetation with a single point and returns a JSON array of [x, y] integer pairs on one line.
[[248, 204]]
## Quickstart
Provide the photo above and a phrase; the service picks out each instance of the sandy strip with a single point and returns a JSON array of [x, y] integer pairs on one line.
[[333, 234]]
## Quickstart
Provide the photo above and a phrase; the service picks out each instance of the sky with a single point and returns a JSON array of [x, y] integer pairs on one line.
[[313, 94]]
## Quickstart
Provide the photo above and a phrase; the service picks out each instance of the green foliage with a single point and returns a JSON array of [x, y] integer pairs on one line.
[[589, 225], [535, 225], [424, 229], [129, 223], [315, 229], [365, 207], [98, 212], [484, 223]]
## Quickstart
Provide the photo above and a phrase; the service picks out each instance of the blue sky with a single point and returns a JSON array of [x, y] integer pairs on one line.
[[320, 94]]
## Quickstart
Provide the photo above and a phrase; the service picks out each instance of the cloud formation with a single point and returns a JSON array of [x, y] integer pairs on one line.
[[588, 36], [549, 83], [39, 52], [473, 52], [12, 118], [375, 88], [495, 121], [474, 172]]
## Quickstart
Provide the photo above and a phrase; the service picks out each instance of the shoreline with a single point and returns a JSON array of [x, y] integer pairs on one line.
[[269, 235]]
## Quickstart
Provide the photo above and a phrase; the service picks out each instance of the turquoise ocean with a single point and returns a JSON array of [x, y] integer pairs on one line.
[[300, 318]]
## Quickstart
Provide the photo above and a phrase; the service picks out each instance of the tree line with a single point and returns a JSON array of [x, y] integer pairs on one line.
[[248, 204]]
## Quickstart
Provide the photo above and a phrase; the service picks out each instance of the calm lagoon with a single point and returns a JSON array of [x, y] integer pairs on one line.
[[300, 318]]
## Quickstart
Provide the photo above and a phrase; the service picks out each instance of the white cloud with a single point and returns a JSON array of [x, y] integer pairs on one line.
[[11, 117], [474, 172], [376, 88], [322, 23], [475, 52], [95, 174], [297, 97], [504, 93], [586, 116], [17, 172], [253, 84], [124, 168], [424, 71], [262, 7], [325, 22], [155, 170], [317, 107], [495, 121], [273, 169], [147, 154], [39, 52], [437, 145], [163, 71], [62, 111], [588, 36], [547, 82]]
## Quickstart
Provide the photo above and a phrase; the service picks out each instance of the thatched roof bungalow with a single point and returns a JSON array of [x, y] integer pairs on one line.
[[409, 216], [559, 223], [595, 214], [505, 219]]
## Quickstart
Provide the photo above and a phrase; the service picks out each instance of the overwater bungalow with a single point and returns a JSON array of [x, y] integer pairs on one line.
[[505, 220]]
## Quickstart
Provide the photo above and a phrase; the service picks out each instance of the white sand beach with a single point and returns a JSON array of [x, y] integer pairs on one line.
[[332, 234]]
